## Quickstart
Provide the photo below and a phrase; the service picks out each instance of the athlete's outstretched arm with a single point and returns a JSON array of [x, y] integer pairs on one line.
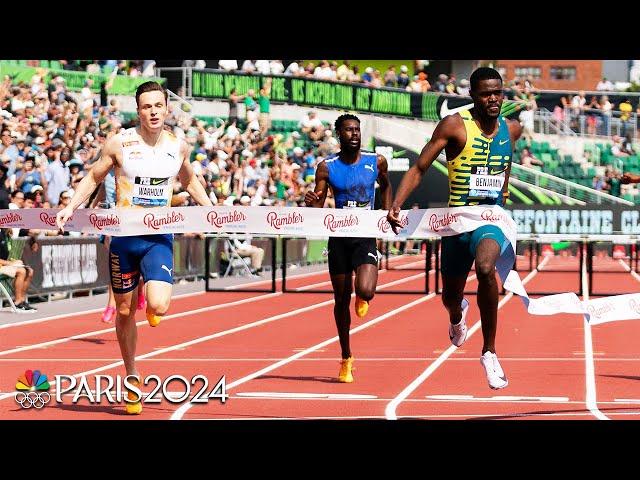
[[412, 178], [89, 183], [317, 197], [190, 181], [383, 181]]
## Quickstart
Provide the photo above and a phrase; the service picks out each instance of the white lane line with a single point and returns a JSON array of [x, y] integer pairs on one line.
[[143, 322], [591, 398], [228, 332], [303, 396], [488, 416], [178, 414], [390, 410], [83, 312], [497, 398]]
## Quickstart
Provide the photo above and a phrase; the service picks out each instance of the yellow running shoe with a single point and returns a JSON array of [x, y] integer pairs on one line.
[[362, 307], [346, 369], [153, 319], [133, 408]]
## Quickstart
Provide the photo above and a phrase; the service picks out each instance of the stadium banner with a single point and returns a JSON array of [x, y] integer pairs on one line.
[[563, 219], [342, 96], [67, 263]]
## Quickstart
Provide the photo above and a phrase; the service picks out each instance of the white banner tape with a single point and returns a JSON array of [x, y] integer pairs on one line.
[[325, 222]]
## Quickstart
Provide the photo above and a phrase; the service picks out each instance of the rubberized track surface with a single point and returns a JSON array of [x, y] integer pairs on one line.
[[279, 354]]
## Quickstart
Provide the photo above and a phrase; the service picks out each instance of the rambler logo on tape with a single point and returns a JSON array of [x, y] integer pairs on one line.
[[219, 219], [331, 223], [277, 221], [10, 218], [48, 219], [635, 306], [600, 311], [101, 221], [490, 216], [151, 221], [384, 226], [436, 223]]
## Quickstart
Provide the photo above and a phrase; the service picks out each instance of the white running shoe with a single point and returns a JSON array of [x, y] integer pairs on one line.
[[458, 332], [495, 375]]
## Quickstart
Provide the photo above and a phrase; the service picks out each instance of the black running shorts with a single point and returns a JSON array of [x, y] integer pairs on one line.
[[346, 254]]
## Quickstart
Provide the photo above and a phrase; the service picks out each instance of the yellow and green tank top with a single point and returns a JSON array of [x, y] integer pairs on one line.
[[477, 174]]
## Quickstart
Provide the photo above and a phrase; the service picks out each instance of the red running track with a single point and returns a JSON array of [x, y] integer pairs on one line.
[[279, 354]]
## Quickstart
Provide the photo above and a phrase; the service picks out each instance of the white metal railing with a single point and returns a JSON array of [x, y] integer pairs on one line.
[[568, 200], [560, 185]]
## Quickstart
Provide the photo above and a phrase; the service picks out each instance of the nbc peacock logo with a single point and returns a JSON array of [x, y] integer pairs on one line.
[[32, 389]]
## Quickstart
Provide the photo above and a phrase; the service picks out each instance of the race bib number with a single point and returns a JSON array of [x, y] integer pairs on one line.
[[483, 183], [356, 204], [151, 192]]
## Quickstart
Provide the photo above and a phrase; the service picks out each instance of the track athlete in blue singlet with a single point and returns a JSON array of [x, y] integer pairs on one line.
[[478, 146], [352, 175], [146, 159]]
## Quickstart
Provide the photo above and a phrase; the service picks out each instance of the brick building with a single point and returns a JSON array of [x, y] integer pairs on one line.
[[559, 74]]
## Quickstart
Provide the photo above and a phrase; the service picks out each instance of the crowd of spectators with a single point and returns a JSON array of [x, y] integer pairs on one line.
[[132, 68], [51, 138], [395, 76]]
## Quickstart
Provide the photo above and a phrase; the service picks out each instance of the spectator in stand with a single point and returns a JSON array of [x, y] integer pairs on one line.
[[344, 72], [390, 77], [526, 120], [599, 183], [403, 77], [264, 100], [604, 85], [333, 72], [355, 77], [367, 76], [228, 65], [606, 107], [441, 83], [30, 176], [463, 87], [57, 176], [295, 69], [263, 67], [618, 149], [234, 98], [614, 180], [376, 79], [248, 66], [627, 144], [309, 69], [322, 71], [592, 111], [276, 67], [528, 160], [16, 269], [625, 108], [450, 88], [312, 126]]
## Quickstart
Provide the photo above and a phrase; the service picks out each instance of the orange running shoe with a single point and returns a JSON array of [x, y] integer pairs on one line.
[[153, 319], [134, 408], [346, 370], [361, 306]]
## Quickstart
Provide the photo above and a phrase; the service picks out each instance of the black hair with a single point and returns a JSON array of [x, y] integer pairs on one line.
[[483, 73], [343, 118]]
